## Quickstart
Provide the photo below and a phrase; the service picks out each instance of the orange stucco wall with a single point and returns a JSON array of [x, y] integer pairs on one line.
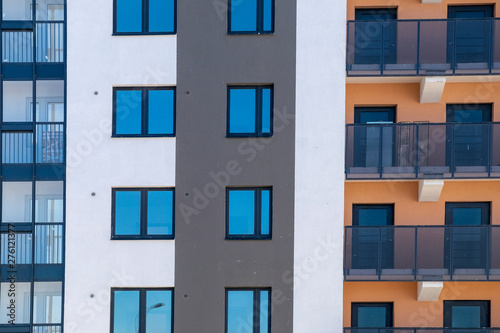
[[406, 98], [407, 209], [408, 312], [414, 9]]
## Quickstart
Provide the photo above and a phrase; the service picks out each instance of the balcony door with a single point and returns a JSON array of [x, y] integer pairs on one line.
[[369, 140], [466, 314], [469, 34], [468, 145], [466, 240], [375, 36], [369, 242], [371, 315]]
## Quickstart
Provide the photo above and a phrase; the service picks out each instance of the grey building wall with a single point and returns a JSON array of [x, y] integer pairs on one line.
[[206, 161]]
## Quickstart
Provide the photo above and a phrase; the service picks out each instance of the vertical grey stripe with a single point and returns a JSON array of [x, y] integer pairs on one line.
[[207, 61]]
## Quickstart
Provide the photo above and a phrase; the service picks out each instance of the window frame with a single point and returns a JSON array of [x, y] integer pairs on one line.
[[485, 306], [257, 235], [143, 213], [142, 305], [260, 20], [389, 207], [256, 305], [145, 22], [144, 112], [389, 315], [258, 111]]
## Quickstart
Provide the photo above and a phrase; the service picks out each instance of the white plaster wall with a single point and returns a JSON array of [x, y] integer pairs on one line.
[[97, 61], [319, 165]]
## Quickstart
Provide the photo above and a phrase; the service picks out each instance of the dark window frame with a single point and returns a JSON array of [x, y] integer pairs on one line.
[[390, 207], [143, 213], [142, 305], [388, 236], [257, 235], [258, 111], [145, 22], [260, 20], [144, 112], [448, 306], [255, 305], [389, 319]]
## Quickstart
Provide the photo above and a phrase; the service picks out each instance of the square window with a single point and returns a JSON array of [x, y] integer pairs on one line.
[[144, 17], [251, 16], [248, 310], [143, 213], [141, 310], [248, 213], [250, 111], [140, 112]]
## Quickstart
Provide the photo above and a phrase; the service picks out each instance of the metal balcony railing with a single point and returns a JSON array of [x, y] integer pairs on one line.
[[17, 147], [421, 330], [418, 151], [422, 253], [17, 46], [423, 47]]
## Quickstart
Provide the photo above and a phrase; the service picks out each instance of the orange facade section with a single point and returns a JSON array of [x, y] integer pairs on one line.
[[408, 312], [406, 98], [409, 211], [414, 9]]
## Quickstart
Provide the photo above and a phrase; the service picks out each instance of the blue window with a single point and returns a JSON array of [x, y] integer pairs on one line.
[[250, 111], [248, 310], [251, 16], [139, 112], [249, 213], [141, 310], [143, 213], [141, 17]]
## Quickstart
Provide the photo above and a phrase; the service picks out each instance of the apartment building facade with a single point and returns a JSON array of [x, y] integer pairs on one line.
[[249, 166], [421, 191], [196, 192]]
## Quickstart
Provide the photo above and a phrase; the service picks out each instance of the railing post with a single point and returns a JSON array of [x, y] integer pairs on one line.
[[452, 147], [348, 49], [346, 150], [489, 156], [417, 166], [382, 50], [418, 47], [488, 252], [490, 45], [451, 250], [380, 149], [345, 251], [379, 261], [416, 252], [454, 55]]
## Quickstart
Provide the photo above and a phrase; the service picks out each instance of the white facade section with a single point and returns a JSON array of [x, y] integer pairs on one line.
[[97, 62], [319, 166]]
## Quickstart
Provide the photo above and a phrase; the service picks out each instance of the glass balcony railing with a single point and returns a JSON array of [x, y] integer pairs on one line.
[[423, 47], [419, 151], [422, 253], [421, 330]]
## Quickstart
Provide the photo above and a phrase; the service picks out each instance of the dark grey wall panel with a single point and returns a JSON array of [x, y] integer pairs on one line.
[[207, 61]]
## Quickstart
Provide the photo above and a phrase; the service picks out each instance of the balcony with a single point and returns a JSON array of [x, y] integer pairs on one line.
[[423, 47], [422, 253], [423, 151], [421, 330], [45, 148], [42, 43]]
